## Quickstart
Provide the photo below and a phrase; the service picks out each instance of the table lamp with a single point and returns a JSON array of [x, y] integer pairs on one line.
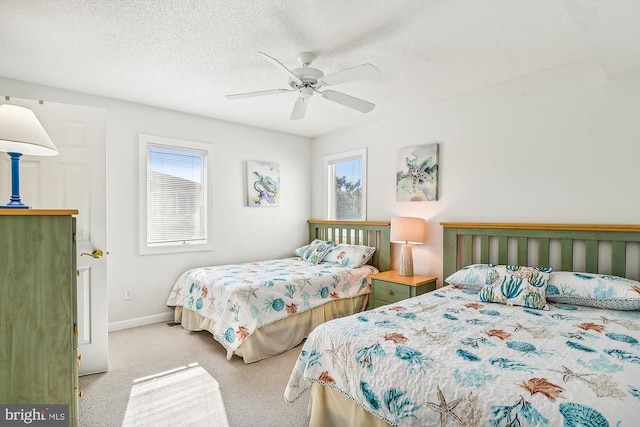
[[21, 133], [408, 231]]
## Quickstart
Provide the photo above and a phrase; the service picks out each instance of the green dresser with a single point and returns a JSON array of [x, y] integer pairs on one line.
[[38, 321]]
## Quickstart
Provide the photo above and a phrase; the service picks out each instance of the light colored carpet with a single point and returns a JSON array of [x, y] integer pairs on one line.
[[186, 396], [162, 375]]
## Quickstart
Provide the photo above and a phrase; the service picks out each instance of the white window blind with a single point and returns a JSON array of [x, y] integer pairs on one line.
[[173, 195]]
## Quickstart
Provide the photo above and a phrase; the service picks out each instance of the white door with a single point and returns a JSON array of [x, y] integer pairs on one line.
[[74, 179]]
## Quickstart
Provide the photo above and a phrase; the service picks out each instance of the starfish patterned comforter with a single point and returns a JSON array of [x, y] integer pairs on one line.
[[240, 298], [444, 358]]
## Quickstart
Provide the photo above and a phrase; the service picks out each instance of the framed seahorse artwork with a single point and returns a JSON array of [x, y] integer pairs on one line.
[[263, 184], [417, 173]]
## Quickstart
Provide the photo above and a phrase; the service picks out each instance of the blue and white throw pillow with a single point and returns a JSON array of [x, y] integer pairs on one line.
[[516, 285], [316, 251]]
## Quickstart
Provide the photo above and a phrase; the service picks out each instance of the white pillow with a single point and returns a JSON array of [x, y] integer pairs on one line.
[[300, 250], [593, 290], [352, 256], [472, 276]]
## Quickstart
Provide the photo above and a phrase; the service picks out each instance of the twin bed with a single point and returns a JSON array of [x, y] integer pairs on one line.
[[538, 324], [261, 309]]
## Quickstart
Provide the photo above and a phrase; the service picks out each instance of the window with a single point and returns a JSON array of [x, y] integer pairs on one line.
[[173, 195], [347, 185]]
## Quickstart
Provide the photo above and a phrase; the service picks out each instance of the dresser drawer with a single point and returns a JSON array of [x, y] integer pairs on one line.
[[389, 292]]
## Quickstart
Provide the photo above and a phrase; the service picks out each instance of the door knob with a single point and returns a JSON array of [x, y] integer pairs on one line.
[[96, 254]]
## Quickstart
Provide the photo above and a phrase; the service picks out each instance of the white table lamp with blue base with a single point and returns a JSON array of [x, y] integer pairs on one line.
[[21, 133]]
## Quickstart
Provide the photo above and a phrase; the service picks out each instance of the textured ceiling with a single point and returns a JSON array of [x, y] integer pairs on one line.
[[186, 55]]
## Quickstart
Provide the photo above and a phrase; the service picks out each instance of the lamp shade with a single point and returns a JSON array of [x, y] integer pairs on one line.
[[408, 230], [22, 132]]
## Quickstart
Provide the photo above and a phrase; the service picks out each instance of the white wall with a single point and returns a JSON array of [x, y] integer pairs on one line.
[[561, 146], [240, 233]]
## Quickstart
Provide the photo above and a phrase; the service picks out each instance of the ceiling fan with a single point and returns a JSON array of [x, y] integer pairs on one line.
[[306, 80]]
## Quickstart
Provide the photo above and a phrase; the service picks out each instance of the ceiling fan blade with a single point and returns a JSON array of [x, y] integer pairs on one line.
[[299, 108], [348, 101], [279, 65], [354, 73], [259, 93]]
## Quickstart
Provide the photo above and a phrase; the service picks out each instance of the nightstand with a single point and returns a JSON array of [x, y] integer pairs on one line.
[[389, 287]]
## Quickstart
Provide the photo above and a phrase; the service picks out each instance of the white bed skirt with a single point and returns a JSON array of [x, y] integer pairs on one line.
[[279, 336], [328, 407]]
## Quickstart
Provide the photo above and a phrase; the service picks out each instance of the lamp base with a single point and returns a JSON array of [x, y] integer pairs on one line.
[[406, 261], [15, 202], [15, 206]]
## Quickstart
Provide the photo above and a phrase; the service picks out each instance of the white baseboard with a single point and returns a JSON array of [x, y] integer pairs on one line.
[[140, 321]]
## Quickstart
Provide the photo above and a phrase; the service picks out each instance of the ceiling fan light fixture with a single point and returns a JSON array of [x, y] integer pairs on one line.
[[306, 92]]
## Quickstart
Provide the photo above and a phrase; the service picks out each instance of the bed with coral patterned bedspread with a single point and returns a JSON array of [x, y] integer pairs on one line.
[[445, 356], [262, 308], [240, 298], [501, 347]]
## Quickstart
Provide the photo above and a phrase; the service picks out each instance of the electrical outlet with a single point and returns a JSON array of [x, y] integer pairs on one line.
[[127, 294]]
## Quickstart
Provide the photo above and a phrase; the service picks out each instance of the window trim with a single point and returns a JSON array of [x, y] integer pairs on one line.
[[144, 141], [331, 159]]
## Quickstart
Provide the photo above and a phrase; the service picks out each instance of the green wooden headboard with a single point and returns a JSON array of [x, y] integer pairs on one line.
[[369, 233], [591, 248]]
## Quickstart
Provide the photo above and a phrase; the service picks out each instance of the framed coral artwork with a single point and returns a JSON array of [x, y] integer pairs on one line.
[[263, 184], [417, 173]]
